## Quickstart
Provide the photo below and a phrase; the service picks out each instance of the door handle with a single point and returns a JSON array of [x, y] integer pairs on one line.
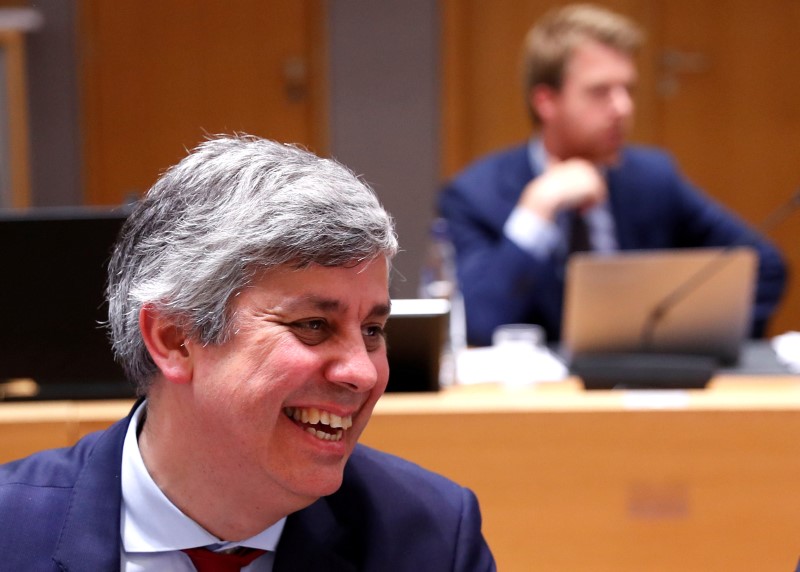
[[673, 63]]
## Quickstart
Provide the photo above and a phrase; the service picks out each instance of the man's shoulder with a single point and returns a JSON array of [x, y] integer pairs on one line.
[[42, 492], [59, 469], [639, 156], [384, 498], [497, 162], [371, 473], [53, 467], [35, 495]]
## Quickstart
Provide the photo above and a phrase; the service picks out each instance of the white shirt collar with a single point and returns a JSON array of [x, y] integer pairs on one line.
[[151, 523], [537, 156]]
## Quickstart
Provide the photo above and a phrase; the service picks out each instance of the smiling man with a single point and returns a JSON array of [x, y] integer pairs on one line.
[[248, 294], [576, 185]]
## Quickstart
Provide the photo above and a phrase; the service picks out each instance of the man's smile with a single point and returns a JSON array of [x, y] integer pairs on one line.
[[322, 424]]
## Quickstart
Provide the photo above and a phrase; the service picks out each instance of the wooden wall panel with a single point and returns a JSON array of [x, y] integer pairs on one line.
[[12, 50], [158, 76], [732, 116]]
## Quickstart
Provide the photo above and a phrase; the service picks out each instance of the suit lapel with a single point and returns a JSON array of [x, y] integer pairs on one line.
[[90, 535], [515, 173]]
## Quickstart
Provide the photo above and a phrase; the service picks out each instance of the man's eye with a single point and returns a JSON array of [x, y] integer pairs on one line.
[[311, 332], [373, 331], [374, 336], [599, 91]]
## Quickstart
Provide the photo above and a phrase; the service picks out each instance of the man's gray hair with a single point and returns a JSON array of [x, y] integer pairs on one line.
[[233, 207]]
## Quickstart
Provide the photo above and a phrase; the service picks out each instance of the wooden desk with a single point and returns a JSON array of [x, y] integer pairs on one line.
[[569, 480]]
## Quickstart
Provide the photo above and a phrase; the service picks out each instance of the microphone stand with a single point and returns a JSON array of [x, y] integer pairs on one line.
[[709, 269], [685, 288]]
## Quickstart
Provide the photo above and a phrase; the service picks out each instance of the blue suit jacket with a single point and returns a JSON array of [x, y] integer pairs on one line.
[[60, 510], [652, 206]]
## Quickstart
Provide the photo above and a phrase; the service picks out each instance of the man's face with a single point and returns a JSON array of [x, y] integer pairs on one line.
[[286, 398], [592, 113]]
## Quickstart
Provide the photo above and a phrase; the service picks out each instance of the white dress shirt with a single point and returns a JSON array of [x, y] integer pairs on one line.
[[541, 237], [154, 531]]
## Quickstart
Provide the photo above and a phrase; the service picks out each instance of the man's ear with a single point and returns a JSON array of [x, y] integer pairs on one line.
[[165, 340], [542, 98]]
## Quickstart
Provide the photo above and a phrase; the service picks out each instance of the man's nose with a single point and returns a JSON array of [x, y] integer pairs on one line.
[[352, 367], [622, 101]]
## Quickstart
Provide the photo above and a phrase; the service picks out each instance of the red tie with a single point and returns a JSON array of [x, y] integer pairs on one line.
[[205, 560]]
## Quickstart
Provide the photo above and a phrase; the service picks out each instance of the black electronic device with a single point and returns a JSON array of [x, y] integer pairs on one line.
[[52, 304], [416, 333]]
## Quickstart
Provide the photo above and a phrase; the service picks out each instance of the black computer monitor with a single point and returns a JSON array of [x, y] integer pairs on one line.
[[416, 333], [52, 306]]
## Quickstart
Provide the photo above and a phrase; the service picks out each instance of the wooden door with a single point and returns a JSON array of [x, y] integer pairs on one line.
[[719, 88], [160, 75], [14, 138], [727, 104]]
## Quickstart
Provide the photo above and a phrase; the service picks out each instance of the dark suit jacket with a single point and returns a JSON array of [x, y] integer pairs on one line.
[[60, 510], [652, 206]]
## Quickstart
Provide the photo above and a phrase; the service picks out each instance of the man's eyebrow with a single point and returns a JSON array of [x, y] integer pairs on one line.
[[322, 304], [381, 310], [332, 305]]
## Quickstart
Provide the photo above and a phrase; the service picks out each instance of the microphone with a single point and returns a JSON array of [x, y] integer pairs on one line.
[[646, 369], [709, 269]]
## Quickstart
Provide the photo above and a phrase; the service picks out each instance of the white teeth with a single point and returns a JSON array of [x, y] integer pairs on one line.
[[314, 416], [325, 436]]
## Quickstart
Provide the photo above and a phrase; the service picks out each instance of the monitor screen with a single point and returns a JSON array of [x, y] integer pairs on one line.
[[416, 332], [52, 301]]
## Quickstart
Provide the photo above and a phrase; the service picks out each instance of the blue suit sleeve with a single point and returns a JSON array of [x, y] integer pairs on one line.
[[472, 552], [500, 282]]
